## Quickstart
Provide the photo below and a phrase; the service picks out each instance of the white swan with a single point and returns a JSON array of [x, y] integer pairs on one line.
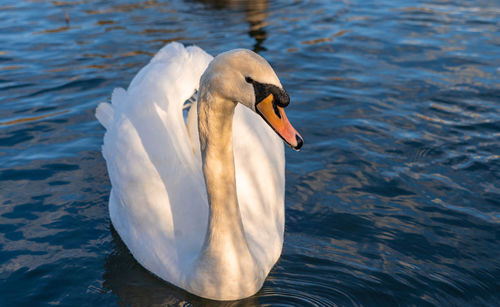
[[209, 221]]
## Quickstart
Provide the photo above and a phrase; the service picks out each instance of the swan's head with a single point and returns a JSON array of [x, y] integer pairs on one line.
[[242, 76]]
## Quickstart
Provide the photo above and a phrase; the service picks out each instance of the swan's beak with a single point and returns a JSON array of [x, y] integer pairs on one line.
[[275, 116]]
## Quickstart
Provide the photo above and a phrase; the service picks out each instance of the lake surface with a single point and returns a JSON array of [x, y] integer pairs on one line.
[[394, 199]]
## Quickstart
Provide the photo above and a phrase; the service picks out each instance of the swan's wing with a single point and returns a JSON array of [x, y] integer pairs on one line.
[[158, 202]]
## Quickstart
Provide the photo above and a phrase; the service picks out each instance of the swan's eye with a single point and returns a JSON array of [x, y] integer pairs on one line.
[[248, 79]]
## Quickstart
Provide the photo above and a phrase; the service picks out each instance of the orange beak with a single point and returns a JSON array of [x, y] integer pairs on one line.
[[276, 118]]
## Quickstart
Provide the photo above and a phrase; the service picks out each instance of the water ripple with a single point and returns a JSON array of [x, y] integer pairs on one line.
[[394, 199]]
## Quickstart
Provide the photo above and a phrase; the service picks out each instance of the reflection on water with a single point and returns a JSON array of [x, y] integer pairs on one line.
[[255, 14], [394, 200]]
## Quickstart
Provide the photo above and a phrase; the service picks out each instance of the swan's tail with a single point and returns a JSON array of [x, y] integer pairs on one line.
[[104, 114]]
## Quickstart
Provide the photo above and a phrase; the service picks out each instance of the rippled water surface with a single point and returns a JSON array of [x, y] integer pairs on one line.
[[394, 199]]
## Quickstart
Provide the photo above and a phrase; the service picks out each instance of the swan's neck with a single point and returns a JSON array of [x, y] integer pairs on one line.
[[215, 118], [225, 256]]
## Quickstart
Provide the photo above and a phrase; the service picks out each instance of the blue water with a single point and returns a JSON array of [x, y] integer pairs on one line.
[[394, 199]]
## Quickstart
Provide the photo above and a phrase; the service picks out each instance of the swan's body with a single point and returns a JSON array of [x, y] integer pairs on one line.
[[199, 219]]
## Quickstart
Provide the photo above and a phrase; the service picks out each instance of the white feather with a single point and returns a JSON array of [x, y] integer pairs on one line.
[[158, 203]]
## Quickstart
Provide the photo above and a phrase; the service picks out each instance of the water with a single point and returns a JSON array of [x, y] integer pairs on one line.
[[394, 199]]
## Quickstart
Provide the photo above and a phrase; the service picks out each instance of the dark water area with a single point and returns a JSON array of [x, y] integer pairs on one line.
[[394, 199]]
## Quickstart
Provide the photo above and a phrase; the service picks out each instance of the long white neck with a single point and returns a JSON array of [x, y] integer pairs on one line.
[[225, 229], [225, 264]]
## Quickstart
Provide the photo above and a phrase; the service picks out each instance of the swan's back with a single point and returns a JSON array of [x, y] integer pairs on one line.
[[158, 203], [151, 164]]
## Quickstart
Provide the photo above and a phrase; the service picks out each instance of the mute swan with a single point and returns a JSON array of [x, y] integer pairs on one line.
[[201, 205]]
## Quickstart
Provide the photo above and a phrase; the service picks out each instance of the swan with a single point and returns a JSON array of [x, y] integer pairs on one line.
[[198, 199]]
